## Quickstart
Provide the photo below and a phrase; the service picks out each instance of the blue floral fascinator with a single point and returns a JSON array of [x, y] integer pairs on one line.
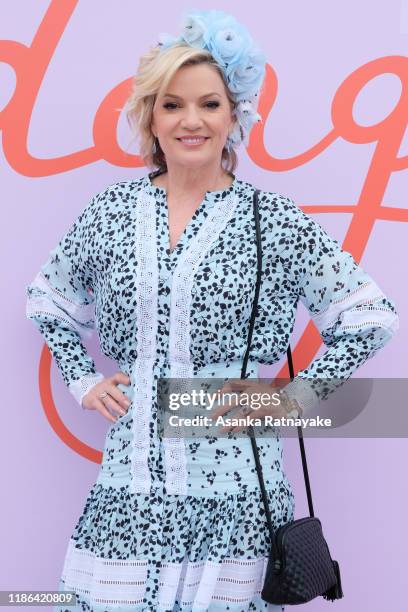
[[242, 62]]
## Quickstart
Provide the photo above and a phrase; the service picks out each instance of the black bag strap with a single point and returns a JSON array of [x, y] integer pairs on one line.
[[291, 373]]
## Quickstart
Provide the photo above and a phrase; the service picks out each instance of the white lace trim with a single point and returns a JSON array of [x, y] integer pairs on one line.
[[146, 321], [43, 299], [79, 388], [81, 312], [196, 584], [181, 365], [366, 293], [301, 390], [373, 317]]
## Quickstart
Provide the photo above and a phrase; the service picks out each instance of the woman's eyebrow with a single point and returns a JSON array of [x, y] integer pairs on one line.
[[169, 95]]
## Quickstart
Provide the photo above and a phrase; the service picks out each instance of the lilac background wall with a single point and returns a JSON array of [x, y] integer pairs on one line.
[[359, 486]]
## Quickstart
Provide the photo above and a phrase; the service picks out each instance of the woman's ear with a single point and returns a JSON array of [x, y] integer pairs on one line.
[[233, 118], [232, 126]]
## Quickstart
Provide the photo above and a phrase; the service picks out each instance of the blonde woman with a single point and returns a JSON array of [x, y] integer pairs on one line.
[[168, 261]]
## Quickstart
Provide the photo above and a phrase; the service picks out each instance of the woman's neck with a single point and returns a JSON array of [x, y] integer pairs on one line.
[[177, 188]]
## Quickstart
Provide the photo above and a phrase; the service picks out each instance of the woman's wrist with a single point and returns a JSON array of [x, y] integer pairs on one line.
[[290, 406]]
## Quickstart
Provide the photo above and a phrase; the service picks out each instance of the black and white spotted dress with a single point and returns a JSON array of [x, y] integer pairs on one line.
[[178, 523]]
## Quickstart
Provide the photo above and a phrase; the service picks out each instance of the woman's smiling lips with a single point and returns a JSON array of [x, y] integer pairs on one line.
[[193, 141]]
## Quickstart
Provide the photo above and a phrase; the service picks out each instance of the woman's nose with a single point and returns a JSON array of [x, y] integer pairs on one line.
[[191, 117]]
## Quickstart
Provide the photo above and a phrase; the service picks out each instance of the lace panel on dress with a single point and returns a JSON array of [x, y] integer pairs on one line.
[[181, 365], [146, 318]]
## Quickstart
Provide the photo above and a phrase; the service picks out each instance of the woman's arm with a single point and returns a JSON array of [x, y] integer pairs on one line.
[[354, 317], [60, 301]]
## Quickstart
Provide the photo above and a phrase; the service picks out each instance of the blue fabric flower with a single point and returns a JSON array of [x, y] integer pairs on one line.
[[227, 41], [193, 29], [167, 40], [246, 77]]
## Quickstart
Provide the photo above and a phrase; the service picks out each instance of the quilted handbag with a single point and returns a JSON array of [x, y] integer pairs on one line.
[[299, 567]]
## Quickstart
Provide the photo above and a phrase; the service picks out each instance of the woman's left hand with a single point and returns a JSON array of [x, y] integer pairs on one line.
[[271, 404]]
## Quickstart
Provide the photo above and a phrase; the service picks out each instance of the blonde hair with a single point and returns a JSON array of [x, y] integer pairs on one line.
[[156, 69]]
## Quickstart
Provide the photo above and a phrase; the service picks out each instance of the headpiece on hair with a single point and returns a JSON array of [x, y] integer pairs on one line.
[[242, 62]]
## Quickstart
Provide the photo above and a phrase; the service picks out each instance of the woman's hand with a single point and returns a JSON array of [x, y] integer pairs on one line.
[[256, 393], [115, 400]]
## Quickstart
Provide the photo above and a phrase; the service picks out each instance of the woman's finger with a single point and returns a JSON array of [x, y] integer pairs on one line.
[[101, 408], [241, 414], [235, 384], [110, 403], [232, 402], [117, 396], [121, 378]]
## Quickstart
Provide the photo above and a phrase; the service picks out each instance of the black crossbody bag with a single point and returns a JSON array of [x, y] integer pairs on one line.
[[300, 567]]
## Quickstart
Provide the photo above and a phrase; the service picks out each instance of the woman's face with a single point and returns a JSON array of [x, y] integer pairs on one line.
[[201, 108]]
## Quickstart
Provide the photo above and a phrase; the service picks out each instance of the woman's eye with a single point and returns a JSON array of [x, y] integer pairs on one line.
[[171, 105]]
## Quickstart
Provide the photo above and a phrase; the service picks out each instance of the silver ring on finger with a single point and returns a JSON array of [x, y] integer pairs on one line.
[[102, 395]]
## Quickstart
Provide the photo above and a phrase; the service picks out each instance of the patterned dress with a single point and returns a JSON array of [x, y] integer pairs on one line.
[[178, 523]]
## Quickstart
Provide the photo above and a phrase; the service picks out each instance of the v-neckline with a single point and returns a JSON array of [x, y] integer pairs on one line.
[[208, 201]]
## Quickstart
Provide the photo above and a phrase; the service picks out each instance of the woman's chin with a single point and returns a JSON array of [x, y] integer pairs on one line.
[[190, 159]]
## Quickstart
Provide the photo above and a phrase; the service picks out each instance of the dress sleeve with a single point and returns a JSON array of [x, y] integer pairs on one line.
[[60, 301], [354, 317]]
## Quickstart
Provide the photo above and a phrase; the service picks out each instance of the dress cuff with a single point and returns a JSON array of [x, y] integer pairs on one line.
[[301, 390], [79, 388]]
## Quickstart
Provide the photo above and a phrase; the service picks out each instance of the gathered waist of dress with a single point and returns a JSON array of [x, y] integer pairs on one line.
[[229, 369], [222, 369]]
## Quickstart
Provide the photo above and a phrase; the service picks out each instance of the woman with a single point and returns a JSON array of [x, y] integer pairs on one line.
[[168, 260]]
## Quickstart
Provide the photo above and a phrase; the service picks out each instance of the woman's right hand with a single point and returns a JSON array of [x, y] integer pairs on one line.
[[115, 400]]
